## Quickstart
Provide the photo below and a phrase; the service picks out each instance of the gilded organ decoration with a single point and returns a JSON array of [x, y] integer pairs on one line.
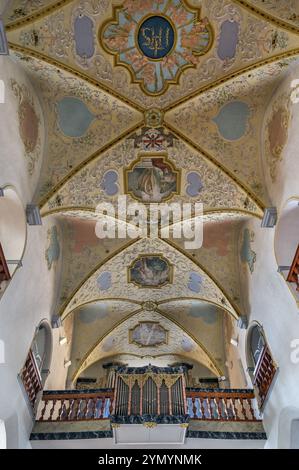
[[156, 41]]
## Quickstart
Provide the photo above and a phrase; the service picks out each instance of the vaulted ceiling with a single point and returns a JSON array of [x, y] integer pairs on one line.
[[122, 106]]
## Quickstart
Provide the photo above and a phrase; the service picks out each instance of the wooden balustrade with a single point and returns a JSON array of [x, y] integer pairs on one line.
[[31, 378], [4, 271], [201, 404], [264, 373], [221, 405], [294, 271], [74, 406]]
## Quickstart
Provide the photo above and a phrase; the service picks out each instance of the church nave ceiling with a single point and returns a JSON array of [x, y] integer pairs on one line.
[[176, 119]]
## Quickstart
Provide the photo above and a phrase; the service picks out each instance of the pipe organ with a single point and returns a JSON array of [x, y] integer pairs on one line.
[[150, 391]]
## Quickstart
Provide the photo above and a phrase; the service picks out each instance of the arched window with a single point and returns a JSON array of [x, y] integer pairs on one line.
[[261, 365], [257, 343], [37, 364]]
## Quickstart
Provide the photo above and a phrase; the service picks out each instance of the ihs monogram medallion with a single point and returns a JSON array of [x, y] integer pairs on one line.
[[156, 41]]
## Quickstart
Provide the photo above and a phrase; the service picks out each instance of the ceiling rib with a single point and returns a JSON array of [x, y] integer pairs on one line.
[[98, 266], [210, 276], [86, 162], [267, 16], [121, 249], [67, 68], [85, 357], [215, 162], [226, 78], [37, 15]]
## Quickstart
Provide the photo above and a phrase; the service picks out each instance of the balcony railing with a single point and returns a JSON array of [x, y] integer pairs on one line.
[[222, 405], [4, 271], [75, 406], [31, 379], [293, 275], [264, 373], [219, 405]]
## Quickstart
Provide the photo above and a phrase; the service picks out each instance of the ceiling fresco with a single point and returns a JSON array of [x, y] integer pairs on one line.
[[159, 101], [86, 188], [59, 37], [82, 251], [218, 254], [183, 267], [81, 120], [118, 342]]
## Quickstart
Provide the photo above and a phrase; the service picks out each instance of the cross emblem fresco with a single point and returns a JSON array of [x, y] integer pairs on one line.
[[156, 41]]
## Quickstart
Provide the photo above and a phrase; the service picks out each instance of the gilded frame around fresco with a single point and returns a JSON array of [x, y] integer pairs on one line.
[[132, 341], [114, 19], [140, 157], [150, 255]]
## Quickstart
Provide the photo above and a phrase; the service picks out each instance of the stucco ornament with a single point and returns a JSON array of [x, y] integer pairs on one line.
[[118, 267], [29, 123], [277, 130]]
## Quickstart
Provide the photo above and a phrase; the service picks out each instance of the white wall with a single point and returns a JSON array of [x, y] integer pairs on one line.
[[269, 298], [31, 294]]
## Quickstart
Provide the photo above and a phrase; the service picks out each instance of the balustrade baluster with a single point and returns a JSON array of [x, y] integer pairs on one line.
[[218, 407], [60, 411], [52, 410], [225, 413], [209, 407], [243, 410], [251, 409], [233, 408], [194, 409], [87, 408], [94, 408], [102, 408], [202, 408], [43, 411], [79, 409], [69, 415], [111, 407]]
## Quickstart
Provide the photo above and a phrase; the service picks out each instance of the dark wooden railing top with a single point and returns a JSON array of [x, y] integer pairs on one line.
[[4, 271], [220, 393], [294, 270], [74, 394], [202, 404]]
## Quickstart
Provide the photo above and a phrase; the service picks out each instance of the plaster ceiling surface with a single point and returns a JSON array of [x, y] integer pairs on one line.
[[118, 342], [82, 251], [176, 119], [283, 12]]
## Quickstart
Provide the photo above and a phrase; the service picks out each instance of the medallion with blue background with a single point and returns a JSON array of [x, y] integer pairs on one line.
[[156, 37]]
